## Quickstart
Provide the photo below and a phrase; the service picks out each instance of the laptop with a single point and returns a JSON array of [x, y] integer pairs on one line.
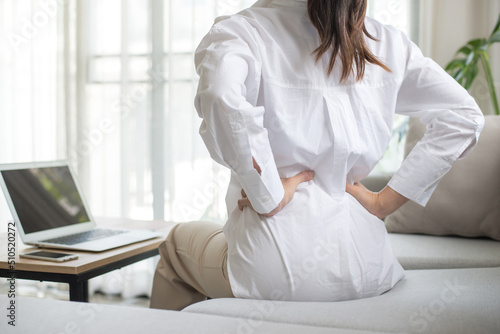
[[50, 211]]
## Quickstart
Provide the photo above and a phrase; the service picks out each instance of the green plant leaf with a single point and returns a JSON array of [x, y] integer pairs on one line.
[[465, 69], [460, 75], [469, 58], [470, 75], [476, 43], [465, 50], [489, 79], [497, 27], [455, 73], [494, 38], [456, 63]]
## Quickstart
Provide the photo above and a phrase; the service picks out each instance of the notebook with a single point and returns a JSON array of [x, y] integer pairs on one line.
[[50, 211]]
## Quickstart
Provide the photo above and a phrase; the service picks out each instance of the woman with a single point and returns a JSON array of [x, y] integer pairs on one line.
[[297, 99]]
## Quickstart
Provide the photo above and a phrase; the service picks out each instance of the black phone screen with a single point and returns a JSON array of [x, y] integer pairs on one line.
[[48, 254]]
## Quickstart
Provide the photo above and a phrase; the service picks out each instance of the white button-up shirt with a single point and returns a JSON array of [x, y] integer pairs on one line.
[[262, 95]]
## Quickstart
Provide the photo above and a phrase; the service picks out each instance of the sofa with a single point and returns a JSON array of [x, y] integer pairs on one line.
[[450, 251], [452, 285]]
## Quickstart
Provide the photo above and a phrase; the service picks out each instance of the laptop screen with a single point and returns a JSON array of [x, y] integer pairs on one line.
[[45, 198]]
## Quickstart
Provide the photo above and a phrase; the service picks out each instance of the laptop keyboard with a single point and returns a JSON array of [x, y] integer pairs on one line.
[[77, 238]]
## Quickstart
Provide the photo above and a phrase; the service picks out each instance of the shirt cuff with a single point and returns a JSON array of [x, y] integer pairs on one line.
[[419, 175], [264, 191]]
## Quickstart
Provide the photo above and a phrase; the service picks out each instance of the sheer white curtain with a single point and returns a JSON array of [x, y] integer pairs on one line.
[[150, 161], [138, 149], [35, 85], [33, 75]]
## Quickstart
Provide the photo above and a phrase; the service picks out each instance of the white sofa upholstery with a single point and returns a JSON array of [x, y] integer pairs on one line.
[[452, 285], [43, 316], [415, 251], [426, 301]]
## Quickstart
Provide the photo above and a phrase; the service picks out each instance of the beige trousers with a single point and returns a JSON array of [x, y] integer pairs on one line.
[[192, 267]]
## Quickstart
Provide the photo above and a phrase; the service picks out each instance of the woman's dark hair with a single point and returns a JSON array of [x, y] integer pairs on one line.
[[341, 28]]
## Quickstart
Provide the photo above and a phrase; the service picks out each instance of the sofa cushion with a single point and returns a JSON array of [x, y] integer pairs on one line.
[[466, 202], [430, 301], [417, 251], [376, 182], [35, 315]]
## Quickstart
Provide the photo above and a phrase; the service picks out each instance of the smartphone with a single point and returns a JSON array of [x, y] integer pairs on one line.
[[49, 256]]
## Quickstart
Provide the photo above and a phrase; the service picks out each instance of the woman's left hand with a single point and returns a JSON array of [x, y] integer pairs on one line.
[[380, 204], [289, 185]]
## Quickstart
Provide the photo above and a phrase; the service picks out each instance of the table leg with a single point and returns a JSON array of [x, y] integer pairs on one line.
[[79, 291]]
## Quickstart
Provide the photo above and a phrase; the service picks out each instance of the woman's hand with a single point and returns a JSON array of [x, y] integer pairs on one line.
[[380, 204], [290, 185]]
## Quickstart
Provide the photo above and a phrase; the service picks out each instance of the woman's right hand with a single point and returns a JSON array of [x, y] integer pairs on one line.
[[289, 185], [380, 204]]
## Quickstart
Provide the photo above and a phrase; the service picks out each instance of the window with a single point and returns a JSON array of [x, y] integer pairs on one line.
[[32, 117], [142, 62], [402, 14], [142, 79]]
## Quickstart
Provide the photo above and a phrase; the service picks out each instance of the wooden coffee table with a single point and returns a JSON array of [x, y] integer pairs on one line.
[[88, 265]]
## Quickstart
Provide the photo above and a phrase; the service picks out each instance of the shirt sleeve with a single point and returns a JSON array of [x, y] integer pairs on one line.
[[229, 67], [453, 124]]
